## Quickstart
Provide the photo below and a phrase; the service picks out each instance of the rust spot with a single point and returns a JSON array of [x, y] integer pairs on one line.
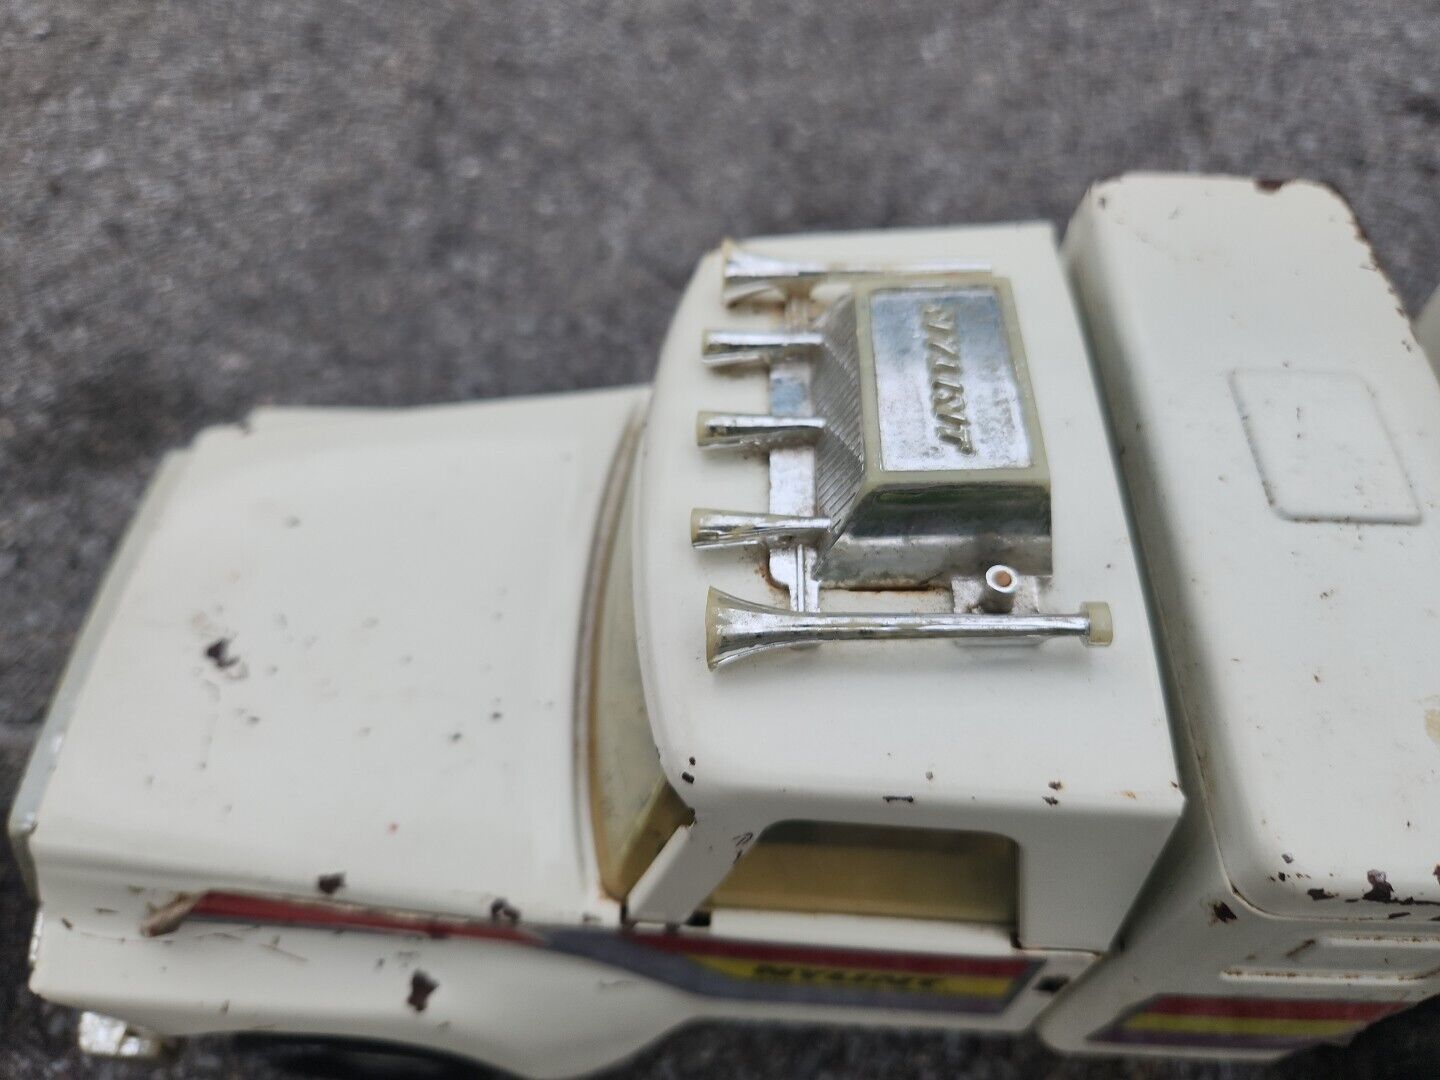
[[1050, 800], [1320, 894], [421, 987], [218, 653], [164, 919], [1269, 185], [1129, 794], [898, 798], [1056, 785], [1432, 724], [330, 884], [1297, 950], [502, 909], [1381, 891], [1220, 912]]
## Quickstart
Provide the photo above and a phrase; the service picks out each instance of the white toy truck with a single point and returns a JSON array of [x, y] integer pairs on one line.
[[529, 731]]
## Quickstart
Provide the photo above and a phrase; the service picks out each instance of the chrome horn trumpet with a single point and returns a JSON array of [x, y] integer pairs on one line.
[[736, 628], [746, 274]]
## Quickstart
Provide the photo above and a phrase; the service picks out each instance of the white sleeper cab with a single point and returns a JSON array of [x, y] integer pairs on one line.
[[963, 632]]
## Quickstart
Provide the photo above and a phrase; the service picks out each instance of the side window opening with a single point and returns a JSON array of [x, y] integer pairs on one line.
[[633, 807], [823, 867]]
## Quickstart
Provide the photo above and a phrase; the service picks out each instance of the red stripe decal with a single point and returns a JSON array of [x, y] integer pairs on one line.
[[853, 958], [1270, 1008], [331, 916]]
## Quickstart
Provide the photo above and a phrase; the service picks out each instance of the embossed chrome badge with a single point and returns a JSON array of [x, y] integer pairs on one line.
[[946, 391]]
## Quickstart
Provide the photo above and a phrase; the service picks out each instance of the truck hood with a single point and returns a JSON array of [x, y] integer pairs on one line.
[[337, 652]]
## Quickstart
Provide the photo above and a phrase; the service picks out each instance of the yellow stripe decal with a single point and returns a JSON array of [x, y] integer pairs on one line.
[[986, 986], [1239, 1025]]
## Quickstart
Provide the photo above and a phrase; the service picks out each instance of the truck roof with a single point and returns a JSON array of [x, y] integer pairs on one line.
[[1064, 749]]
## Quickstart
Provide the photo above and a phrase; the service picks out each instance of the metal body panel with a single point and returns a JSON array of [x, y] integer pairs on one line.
[[388, 732], [553, 1002], [1017, 741], [1290, 645], [1295, 644], [348, 648]]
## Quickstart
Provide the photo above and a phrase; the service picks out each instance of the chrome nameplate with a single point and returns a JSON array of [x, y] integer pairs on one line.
[[946, 389]]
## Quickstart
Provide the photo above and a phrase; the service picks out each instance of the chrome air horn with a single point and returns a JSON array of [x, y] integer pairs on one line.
[[736, 628]]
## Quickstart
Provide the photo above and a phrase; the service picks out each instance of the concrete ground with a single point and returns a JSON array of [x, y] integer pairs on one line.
[[210, 206]]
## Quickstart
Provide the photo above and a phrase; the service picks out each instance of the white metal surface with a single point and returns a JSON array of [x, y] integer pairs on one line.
[[1297, 618], [1297, 623], [1065, 750], [399, 604]]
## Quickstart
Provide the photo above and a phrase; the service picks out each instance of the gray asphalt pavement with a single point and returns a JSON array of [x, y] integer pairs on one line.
[[211, 206]]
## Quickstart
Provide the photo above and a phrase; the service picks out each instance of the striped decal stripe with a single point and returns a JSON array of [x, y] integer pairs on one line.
[[1297, 1009], [968, 986], [1007, 968], [715, 967], [1241, 1023], [330, 915]]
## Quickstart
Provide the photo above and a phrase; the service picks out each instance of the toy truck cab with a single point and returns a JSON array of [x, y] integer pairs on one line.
[[824, 682]]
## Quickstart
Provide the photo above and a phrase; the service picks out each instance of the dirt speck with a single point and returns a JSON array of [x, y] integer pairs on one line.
[[1320, 894], [1221, 912], [898, 798], [330, 884], [1287, 858], [218, 653], [421, 987], [164, 919], [1381, 891], [502, 909], [1269, 185], [1056, 785], [1050, 800], [687, 777]]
